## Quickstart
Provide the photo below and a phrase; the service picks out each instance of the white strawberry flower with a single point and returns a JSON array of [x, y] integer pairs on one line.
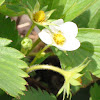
[[61, 35]]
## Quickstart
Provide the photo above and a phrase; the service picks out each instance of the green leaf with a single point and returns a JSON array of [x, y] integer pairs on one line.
[[4, 42], [1, 2], [12, 1], [33, 94], [11, 52], [11, 80], [90, 47], [95, 92], [94, 15], [12, 8], [8, 30], [66, 9], [91, 17], [4, 96], [75, 8], [94, 22], [58, 5]]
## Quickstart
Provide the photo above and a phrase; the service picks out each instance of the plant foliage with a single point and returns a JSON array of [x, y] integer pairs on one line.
[[85, 13], [8, 30], [33, 94], [95, 92], [11, 73]]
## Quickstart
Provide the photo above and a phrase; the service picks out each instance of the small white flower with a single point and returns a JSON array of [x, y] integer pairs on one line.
[[61, 35]]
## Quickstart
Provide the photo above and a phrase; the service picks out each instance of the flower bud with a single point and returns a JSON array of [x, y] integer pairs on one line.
[[39, 16], [26, 43]]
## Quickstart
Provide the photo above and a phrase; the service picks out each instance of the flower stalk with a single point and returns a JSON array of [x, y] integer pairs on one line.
[[30, 30], [45, 67], [70, 76], [39, 54]]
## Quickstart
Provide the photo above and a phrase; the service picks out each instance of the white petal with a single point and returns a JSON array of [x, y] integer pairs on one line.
[[70, 45], [70, 29], [45, 36], [58, 22], [55, 28]]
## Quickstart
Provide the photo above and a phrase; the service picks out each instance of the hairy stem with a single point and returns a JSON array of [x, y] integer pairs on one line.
[[46, 67]]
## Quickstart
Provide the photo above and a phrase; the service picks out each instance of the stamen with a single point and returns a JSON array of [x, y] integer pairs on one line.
[[58, 38]]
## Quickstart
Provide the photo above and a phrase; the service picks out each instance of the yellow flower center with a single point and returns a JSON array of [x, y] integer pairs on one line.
[[39, 16], [59, 38]]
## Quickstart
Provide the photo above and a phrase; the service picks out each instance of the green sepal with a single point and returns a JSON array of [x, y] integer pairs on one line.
[[75, 82], [29, 6], [77, 75], [71, 77], [48, 13], [45, 8], [37, 6], [30, 14]]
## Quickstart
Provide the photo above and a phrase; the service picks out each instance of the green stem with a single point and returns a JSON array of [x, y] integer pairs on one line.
[[35, 44], [47, 67], [24, 51], [39, 53], [30, 30], [34, 54]]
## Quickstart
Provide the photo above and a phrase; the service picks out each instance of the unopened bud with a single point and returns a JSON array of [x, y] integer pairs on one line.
[[26, 43], [39, 16]]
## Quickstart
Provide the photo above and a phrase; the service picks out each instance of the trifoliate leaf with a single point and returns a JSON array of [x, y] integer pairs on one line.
[[33, 94], [11, 75]]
